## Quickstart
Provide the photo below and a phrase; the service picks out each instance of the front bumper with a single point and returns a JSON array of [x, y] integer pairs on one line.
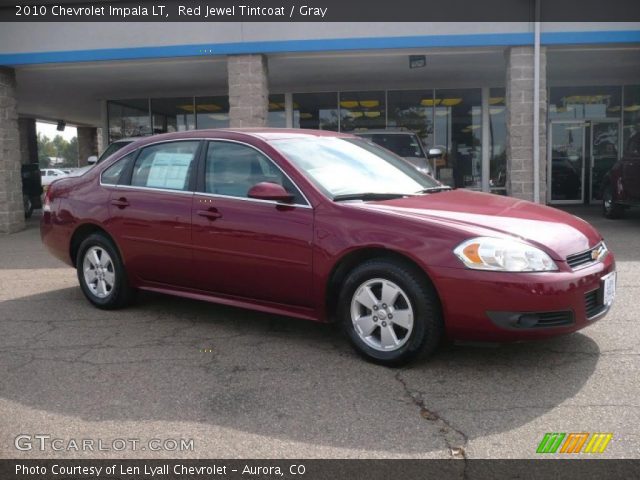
[[487, 306]]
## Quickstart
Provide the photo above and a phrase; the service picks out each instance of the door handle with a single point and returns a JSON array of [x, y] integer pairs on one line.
[[211, 214], [120, 203]]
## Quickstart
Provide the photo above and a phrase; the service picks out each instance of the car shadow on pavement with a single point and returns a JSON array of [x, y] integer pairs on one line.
[[177, 360]]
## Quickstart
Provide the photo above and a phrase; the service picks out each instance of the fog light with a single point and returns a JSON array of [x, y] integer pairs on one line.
[[528, 320]]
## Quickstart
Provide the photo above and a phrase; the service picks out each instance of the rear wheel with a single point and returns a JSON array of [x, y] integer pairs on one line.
[[390, 313], [610, 209], [101, 274]]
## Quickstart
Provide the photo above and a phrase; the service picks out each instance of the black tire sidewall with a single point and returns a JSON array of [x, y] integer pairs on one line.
[[427, 326], [119, 294]]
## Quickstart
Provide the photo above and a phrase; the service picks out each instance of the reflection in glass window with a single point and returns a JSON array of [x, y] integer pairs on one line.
[[631, 117], [569, 103], [497, 141], [172, 114], [128, 118], [412, 110], [166, 166], [315, 110], [276, 116], [212, 112], [111, 175], [458, 131], [362, 111]]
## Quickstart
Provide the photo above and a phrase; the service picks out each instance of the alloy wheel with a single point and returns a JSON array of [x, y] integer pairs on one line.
[[99, 272]]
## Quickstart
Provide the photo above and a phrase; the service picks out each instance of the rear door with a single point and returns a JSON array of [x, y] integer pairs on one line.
[[151, 212], [245, 247]]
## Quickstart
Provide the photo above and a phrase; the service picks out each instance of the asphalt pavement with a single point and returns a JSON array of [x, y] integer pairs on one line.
[[241, 384]]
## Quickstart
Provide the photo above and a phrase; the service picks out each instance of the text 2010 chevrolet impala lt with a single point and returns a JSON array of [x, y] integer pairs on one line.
[[324, 226]]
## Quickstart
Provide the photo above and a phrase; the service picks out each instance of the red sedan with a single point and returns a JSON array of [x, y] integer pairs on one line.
[[326, 226]]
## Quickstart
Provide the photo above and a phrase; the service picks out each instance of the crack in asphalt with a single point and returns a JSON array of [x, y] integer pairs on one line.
[[432, 416]]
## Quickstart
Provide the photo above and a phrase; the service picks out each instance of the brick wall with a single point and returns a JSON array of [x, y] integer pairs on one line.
[[248, 90]]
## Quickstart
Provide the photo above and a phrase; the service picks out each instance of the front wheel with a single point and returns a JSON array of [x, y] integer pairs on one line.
[[610, 209], [101, 273], [390, 313]]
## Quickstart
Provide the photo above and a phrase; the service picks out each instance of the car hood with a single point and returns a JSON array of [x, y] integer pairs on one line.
[[558, 232]]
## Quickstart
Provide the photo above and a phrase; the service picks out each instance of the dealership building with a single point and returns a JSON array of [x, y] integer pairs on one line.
[[535, 111]]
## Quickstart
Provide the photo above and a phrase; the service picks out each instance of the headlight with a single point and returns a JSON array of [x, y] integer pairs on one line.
[[486, 253]]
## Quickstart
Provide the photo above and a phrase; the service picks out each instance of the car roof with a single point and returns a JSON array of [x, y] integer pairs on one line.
[[266, 134], [385, 132]]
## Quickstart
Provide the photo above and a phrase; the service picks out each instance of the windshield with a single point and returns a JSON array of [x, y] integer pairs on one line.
[[346, 166], [403, 145]]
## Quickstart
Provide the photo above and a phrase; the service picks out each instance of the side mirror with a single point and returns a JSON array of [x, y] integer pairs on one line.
[[92, 159], [270, 191], [434, 153]]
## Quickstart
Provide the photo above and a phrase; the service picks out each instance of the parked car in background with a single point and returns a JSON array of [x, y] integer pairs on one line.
[[326, 226], [48, 175], [621, 185], [405, 144], [31, 188]]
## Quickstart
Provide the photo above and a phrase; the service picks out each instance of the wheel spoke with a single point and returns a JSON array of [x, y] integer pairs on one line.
[[388, 337], [404, 318], [365, 325], [105, 259], [101, 287], [366, 297], [389, 293], [90, 274], [109, 278], [95, 259]]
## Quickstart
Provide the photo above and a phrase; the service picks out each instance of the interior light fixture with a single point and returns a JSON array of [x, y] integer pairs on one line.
[[61, 125], [417, 61]]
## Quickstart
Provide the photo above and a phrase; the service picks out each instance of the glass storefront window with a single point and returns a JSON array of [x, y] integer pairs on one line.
[[277, 116], [412, 110], [212, 112], [172, 114], [362, 111], [128, 118], [497, 141], [631, 116], [577, 103], [315, 110], [458, 131]]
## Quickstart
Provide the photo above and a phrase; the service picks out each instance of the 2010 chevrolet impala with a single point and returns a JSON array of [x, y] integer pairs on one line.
[[326, 226]]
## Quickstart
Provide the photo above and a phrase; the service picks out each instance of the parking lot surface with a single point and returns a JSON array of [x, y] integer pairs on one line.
[[246, 384]]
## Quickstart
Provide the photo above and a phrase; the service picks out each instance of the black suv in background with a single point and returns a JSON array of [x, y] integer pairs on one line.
[[31, 188]]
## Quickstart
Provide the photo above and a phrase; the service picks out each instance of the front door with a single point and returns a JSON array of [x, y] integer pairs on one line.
[[567, 154], [245, 247]]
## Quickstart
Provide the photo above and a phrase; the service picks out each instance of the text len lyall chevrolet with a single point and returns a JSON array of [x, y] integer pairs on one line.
[[326, 226]]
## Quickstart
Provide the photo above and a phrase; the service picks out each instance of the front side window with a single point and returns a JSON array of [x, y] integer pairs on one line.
[[165, 166], [345, 166], [231, 169], [111, 176]]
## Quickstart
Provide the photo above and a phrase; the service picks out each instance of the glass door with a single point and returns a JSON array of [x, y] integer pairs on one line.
[[567, 154], [604, 152]]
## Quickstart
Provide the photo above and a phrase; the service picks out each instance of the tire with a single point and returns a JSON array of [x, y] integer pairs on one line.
[[610, 209], [111, 289], [368, 321], [28, 206]]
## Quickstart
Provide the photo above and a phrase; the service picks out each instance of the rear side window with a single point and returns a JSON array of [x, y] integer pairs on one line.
[[111, 176], [231, 169], [166, 166]]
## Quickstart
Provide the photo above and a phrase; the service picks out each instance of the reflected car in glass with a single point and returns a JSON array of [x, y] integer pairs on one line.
[[328, 227], [621, 184]]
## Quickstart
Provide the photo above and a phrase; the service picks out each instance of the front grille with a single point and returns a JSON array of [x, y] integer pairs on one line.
[[554, 319], [593, 303], [581, 259]]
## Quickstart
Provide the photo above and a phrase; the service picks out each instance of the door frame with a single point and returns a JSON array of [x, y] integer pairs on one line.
[[550, 201], [591, 159]]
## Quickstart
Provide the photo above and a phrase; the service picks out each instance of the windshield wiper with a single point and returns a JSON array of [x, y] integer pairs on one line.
[[441, 188], [369, 196]]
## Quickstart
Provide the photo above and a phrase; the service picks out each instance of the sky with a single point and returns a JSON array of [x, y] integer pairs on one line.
[[49, 129]]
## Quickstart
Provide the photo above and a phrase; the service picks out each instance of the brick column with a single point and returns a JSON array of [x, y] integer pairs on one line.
[[87, 143], [248, 90], [11, 205], [519, 86], [28, 140]]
